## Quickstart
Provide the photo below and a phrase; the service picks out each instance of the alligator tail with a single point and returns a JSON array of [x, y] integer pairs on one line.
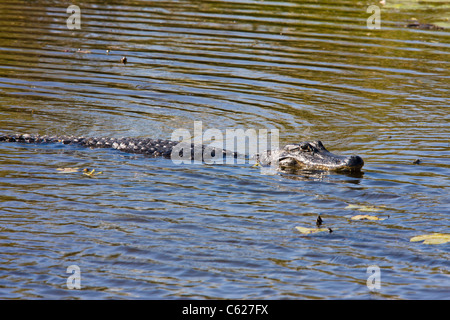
[[132, 145], [35, 138]]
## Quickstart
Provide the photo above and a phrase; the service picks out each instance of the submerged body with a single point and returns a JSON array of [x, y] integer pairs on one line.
[[302, 156]]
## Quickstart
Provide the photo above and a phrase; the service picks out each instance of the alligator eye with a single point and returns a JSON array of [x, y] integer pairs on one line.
[[306, 147]]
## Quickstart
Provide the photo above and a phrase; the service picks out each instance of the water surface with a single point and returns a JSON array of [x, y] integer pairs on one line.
[[150, 229]]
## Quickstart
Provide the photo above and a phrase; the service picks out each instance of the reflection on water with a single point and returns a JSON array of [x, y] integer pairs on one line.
[[147, 228]]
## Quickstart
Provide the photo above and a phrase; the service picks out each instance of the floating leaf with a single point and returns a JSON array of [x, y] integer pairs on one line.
[[363, 208], [67, 170], [312, 230], [435, 238], [91, 173], [366, 217]]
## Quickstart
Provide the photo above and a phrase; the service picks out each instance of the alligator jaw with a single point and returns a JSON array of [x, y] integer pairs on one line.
[[347, 164]]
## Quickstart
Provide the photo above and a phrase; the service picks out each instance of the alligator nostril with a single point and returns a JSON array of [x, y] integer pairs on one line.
[[355, 161]]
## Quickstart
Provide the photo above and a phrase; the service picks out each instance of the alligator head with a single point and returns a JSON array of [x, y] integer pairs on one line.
[[309, 156]]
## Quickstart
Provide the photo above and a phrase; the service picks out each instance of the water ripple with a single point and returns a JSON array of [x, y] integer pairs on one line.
[[149, 229]]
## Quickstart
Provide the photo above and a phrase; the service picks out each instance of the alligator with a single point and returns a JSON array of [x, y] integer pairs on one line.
[[303, 156]]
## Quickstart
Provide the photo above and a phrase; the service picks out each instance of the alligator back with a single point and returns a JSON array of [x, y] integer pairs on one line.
[[147, 146]]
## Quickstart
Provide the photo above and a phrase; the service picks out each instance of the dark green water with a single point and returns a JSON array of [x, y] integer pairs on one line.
[[150, 229]]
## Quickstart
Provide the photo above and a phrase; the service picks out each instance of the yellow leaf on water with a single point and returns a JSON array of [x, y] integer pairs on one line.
[[366, 217], [67, 170], [311, 230], [436, 241], [363, 208], [91, 173], [435, 238]]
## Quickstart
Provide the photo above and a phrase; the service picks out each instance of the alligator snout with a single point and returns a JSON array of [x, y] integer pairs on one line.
[[354, 163]]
